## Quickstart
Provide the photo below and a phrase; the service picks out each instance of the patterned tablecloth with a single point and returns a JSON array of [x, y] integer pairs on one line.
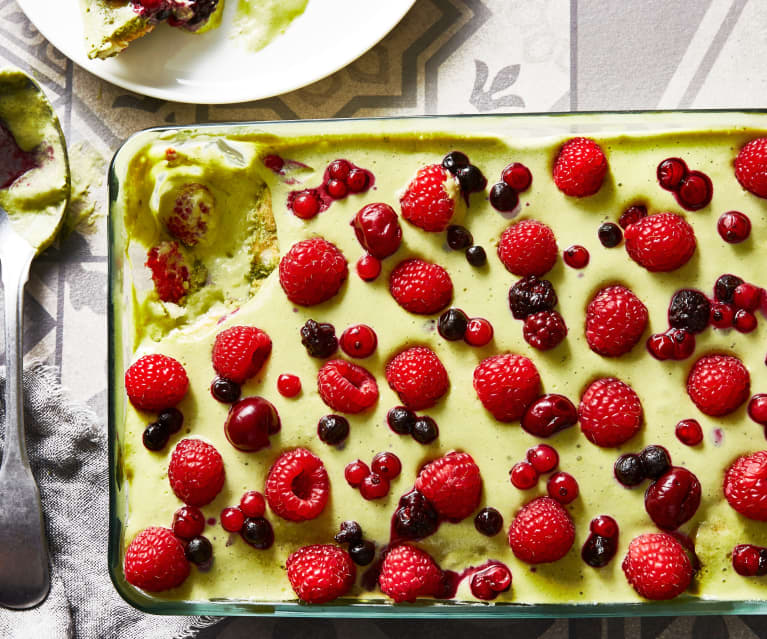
[[446, 56]]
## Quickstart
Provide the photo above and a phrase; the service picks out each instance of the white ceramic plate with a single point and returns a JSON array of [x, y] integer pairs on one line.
[[212, 68]]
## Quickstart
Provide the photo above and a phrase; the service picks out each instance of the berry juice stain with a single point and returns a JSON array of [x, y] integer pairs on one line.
[[718, 436], [14, 162]]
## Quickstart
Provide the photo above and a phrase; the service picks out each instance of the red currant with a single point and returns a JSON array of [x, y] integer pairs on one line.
[[478, 332], [387, 465], [358, 341], [252, 504], [337, 189], [722, 315], [188, 522], [306, 204], [368, 268], [576, 256], [523, 475], [757, 409], [339, 169], [543, 458], [288, 385], [604, 526], [734, 227], [374, 486], [689, 432], [358, 181], [232, 519], [562, 487], [355, 472], [517, 176], [744, 322], [747, 296]]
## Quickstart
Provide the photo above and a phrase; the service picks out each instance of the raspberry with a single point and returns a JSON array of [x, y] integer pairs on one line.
[[418, 377], [452, 484], [346, 387], [531, 295], [297, 487], [660, 242], [528, 248], [170, 273], [320, 573], [427, 202], [751, 167], [312, 271], [239, 352], [541, 532], [580, 167], [615, 321], [155, 560], [408, 572], [718, 384], [191, 216], [196, 472], [610, 412], [156, 382], [657, 566], [544, 330], [420, 286], [745, 487], [506, 385]]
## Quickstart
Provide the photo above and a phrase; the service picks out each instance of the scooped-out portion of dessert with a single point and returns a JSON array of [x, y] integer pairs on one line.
[[507, 360]]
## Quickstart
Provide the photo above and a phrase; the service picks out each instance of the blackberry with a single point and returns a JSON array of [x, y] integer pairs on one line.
[[333, 429], [531, 295], [629, 470], [655, 461], [725, 287], [689, 309], [319, 339], [452, 324], [416, 517]]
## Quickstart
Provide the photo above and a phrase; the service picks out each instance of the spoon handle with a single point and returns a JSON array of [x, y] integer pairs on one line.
[[24, 577]]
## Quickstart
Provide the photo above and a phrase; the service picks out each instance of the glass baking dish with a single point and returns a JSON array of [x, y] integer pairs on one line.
[[525, 127]]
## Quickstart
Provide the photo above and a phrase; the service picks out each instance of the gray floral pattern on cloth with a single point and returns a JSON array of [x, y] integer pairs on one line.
[[446, 56]]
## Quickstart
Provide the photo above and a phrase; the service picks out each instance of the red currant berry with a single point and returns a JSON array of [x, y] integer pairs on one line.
[[543, 458], [337, 189], [671, 172], [355, 472], [684, 343], [562, 487], [523, 475], [479, 332], [339, 169], [695, 191], [252, 504], [744, 322], [374, 487], [734, 227], [604, 526], [358, 341], [722, 315], [757, 409], [288, 385], [689, 432], [358, 181], [661, 346], [517, 176], [232, 519], [306, 204], [576, 256], [188, 522], [387, 465], [368, 268], [747, 296]]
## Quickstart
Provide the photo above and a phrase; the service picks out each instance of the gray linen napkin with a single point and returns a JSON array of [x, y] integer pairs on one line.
[[67, 447]]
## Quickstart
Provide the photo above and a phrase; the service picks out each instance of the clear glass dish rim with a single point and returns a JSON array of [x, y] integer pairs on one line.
[[352, 609]]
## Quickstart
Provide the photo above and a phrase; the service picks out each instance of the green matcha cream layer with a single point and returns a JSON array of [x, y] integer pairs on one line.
[[233, 280]]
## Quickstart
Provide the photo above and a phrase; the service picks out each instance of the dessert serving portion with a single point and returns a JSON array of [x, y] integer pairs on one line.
[[485, 360]]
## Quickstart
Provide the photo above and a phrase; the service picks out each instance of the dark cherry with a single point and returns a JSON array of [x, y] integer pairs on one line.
[[503, 198], [629, 470], [359, 341], [172, 418], [673, 498], [744, 321], [386, 464], [199, 551], [632, 215], [368, 268], [258, 532], [319, 339], [722, 315], [734, 227], [188, 522], [531, 295], [250, 422], [415, 517], [333, 429], [377, 229], [725, 286], [155, 436], [452, 324], [563, 487], [471, 179], [517, 176], [350, 532], [689, 309], [695, 191], [655, 461], [671, 172], [476, 256], [749, 560], [610, 234], [362, 552], [597, 551], [689, 432], [458, 237], [576, 256], [425, 430], [455, 160], [486, 584], [488, 521], [401, 420], [225, 390], [548, 415]]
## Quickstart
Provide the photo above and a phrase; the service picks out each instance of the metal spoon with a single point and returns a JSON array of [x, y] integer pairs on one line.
[[24, 575]]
